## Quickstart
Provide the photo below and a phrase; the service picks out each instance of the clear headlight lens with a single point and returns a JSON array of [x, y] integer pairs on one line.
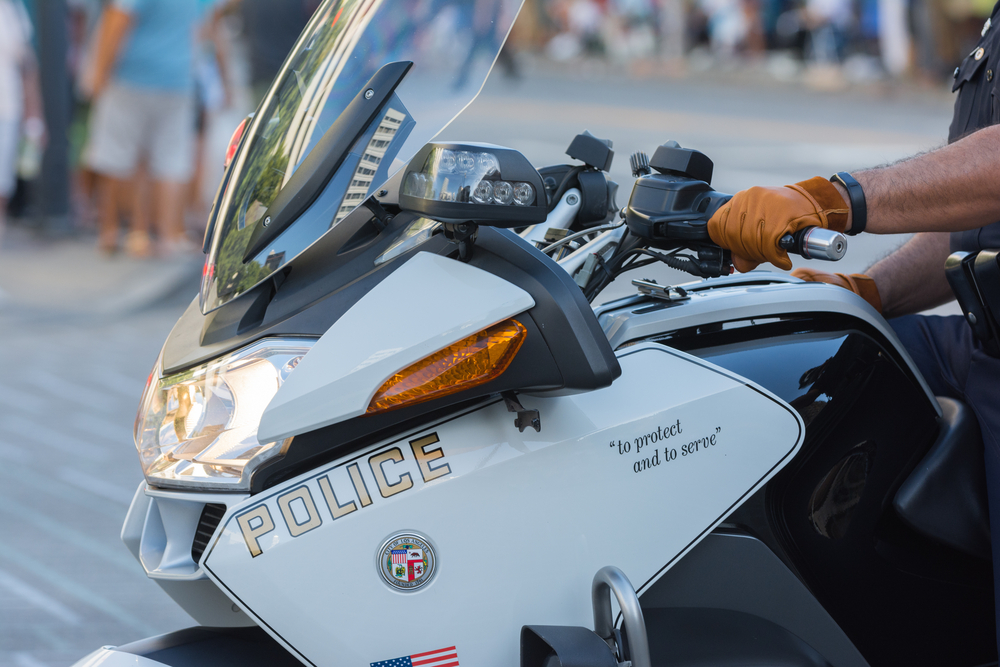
[[198, 429], [464, 177]]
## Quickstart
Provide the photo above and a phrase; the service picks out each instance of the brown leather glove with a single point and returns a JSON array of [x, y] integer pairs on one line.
[[858, 283], [751, 223]]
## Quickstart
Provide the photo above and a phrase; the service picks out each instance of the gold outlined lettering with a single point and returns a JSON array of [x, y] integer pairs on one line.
[[384, 487], [359, 484], [424, 457], [285, 503], [250, 533], [336, 509]]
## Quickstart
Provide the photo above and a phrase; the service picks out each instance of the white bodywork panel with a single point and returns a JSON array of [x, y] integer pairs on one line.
[[633, 475], [424, 306], [158, 531], [756, 295]]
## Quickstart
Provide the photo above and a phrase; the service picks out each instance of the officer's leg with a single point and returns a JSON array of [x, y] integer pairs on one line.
[[982, 393], [954, 365], [941, 347]]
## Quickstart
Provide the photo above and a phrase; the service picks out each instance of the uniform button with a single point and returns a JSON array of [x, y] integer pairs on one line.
[[979, 53], [955, 75], [989, 75]]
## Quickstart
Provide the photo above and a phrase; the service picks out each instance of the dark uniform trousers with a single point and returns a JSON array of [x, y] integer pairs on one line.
[[944, 349]]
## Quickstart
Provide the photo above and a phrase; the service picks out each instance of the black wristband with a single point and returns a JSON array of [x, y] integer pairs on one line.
[[859, 208]]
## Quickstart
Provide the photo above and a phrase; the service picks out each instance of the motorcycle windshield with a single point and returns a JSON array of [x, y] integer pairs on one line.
[[452, 45]]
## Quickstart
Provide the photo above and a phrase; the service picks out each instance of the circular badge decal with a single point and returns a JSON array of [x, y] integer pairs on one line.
[[406, 561]]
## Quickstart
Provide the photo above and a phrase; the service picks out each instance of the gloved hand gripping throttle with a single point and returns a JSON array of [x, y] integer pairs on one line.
[[754, 221]]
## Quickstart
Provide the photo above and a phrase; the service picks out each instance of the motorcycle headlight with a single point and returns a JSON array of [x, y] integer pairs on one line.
[[197, 429]]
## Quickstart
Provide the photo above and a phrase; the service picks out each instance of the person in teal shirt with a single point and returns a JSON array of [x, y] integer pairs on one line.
[[143, 87]]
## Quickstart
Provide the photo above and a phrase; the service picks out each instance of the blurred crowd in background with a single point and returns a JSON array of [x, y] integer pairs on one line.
[[146, 82], [858, 40]]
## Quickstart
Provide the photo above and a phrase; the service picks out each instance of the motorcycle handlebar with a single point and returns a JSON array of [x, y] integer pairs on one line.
[[815, 243]]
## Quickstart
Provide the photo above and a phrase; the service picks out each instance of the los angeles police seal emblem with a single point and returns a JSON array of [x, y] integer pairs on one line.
[[406, 561]]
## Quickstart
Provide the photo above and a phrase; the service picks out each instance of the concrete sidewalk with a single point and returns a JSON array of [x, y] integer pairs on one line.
[[67, 277]]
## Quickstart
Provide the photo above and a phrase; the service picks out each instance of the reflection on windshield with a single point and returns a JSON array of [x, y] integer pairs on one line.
[[367, 167], [452, 44]]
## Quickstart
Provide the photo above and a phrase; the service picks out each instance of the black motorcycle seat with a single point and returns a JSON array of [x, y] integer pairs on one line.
[[944, 498]]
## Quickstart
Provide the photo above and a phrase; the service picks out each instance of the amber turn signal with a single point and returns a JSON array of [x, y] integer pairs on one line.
[[468, 363]]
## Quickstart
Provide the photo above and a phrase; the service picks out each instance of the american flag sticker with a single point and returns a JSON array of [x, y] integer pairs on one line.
[[443, 657]]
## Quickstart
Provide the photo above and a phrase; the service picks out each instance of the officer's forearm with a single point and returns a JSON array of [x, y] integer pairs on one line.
[[912, 278], [953, 188]]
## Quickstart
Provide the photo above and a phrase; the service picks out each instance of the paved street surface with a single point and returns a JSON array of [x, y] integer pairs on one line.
[[80, 334]]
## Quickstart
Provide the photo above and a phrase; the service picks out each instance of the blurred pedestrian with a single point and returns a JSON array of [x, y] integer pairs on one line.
[[728, 27], [213, 94], [829, 22], [22, 128], [271, 28], [143, 84], [894, 36]]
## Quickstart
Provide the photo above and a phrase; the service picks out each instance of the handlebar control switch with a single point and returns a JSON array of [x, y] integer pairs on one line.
[[592, 151], [671, 209], [671, 158]]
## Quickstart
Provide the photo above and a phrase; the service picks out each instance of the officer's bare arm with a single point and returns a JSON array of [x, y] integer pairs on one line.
[[912, 278], [953, 188]]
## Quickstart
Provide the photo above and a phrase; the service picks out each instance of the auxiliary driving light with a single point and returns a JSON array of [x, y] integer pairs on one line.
[[474, 182], [468, 363]]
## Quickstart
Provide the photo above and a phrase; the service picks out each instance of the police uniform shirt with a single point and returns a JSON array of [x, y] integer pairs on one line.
[[978, 106]]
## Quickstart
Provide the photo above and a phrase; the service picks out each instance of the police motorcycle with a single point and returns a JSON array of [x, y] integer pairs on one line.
[[393, 429]]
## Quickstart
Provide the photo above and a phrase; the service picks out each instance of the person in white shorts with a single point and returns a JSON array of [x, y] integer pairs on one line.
[[143, 83], [20, 95]]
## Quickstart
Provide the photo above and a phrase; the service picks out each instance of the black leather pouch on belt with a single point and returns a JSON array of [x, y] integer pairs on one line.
[[975, 280]]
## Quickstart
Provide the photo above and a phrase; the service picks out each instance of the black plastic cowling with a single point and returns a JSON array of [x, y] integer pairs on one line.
[[563, 646], [591, 151], [672, 158], [674, 203], [944, 498]]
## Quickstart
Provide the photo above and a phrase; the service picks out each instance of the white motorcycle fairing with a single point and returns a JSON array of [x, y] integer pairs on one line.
[[632, 475], [424, 306]]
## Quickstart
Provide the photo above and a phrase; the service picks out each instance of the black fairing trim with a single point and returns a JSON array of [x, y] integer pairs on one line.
[[213, 647], [575, 338], [735, 572], [715, 637], [563, 646], [902, 598], [945, 497], [323, 161]]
